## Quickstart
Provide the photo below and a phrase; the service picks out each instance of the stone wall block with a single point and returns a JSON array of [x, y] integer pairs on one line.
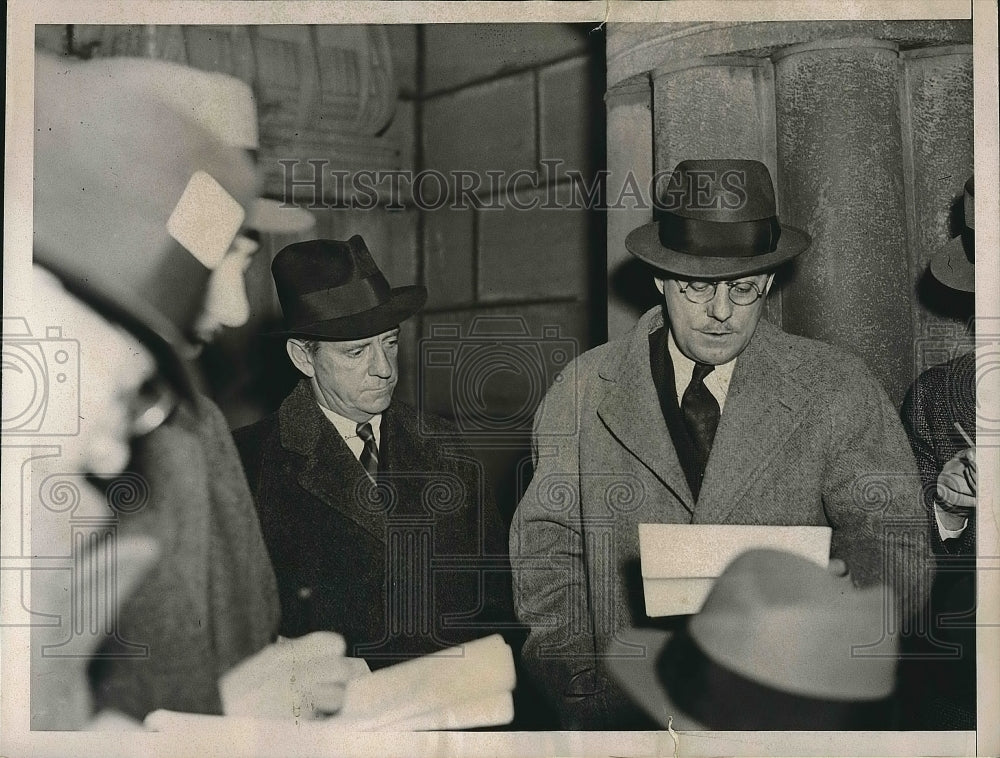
[[449, 253], [567, 118], [488, 127], [457, 54], [540, 253]]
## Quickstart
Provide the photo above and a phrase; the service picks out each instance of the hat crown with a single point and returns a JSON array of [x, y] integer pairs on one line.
[[321, 264], [728, 191], [333, 289], [780, 619]]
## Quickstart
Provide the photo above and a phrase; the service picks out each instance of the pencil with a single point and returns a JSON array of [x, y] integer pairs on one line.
[[965, 436]]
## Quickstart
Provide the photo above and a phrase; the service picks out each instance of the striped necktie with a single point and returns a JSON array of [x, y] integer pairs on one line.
[[369, 456]]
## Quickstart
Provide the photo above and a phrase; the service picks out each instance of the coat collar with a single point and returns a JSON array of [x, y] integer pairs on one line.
[[763, 408], [329, 471], [631, 408]]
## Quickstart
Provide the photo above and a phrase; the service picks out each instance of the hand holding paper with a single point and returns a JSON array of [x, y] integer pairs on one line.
[[458, 688], [436, 688], [300, 678]]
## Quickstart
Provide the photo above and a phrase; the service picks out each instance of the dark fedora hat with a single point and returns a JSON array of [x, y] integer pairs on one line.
[[716, 219], [333, 290], [955, 264]]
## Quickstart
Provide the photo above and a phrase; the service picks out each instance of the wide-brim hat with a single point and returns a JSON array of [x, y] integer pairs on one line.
[[780, 619], [334, 290], [775, 626], [716, 219], [643, 678], [955, 264]]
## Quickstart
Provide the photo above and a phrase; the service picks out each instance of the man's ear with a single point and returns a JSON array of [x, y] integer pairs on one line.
[[300, 356], [659, 283], [767, 284]]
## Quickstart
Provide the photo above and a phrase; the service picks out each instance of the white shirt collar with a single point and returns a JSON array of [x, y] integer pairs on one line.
[[717, 382], [348, 429]]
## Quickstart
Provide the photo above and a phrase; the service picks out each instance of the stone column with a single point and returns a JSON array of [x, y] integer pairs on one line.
[[937, 159], [630, 169], [840, 161], [713, 108]]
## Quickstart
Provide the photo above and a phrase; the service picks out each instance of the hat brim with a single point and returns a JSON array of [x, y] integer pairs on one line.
[[271, 217], [403, 302], [639, 677], [644, 243], [952, 267]]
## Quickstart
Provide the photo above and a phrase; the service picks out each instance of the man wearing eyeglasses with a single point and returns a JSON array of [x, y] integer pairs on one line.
[[703, 413]]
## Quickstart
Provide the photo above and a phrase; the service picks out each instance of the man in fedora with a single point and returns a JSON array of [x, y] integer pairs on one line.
[[379, 522], [703, 413], [939, 413]]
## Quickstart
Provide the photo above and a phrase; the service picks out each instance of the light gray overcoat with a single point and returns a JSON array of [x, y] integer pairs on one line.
[[807, 437]]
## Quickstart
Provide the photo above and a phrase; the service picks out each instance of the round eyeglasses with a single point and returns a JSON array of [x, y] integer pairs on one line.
[[740, 293]]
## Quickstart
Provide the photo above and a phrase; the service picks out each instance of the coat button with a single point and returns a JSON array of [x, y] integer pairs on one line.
[[305, 593]]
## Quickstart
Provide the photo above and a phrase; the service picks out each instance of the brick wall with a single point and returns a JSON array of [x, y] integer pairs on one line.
[[510, 290]]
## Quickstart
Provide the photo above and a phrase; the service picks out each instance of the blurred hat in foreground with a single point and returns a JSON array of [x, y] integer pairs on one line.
[[780, 644], [135, 202]]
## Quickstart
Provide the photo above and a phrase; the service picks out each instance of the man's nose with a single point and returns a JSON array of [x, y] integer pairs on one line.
[[720, 307], [380, 365]]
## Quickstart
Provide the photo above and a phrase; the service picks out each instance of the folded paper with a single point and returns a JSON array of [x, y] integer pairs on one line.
[[681, 561], [463, 687]]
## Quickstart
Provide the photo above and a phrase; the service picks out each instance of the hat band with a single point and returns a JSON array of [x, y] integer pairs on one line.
[[348, 299], [720, 239]]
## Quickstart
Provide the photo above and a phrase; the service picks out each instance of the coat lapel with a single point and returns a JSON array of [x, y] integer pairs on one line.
[[631, 410], [763, 408], [328, 471]]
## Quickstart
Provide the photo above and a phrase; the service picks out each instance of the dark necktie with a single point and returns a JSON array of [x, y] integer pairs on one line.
[[701, 413], [369, 456]]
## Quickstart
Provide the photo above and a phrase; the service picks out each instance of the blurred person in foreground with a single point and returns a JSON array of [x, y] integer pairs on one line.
[[939, 414], [137, 207]]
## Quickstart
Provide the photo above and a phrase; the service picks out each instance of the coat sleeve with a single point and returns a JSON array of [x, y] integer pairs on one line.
[[872, 495], [917, 412], [547, 551]]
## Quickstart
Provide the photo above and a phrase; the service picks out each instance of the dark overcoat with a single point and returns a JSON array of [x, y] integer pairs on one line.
[[945, 676], [414, 565]]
